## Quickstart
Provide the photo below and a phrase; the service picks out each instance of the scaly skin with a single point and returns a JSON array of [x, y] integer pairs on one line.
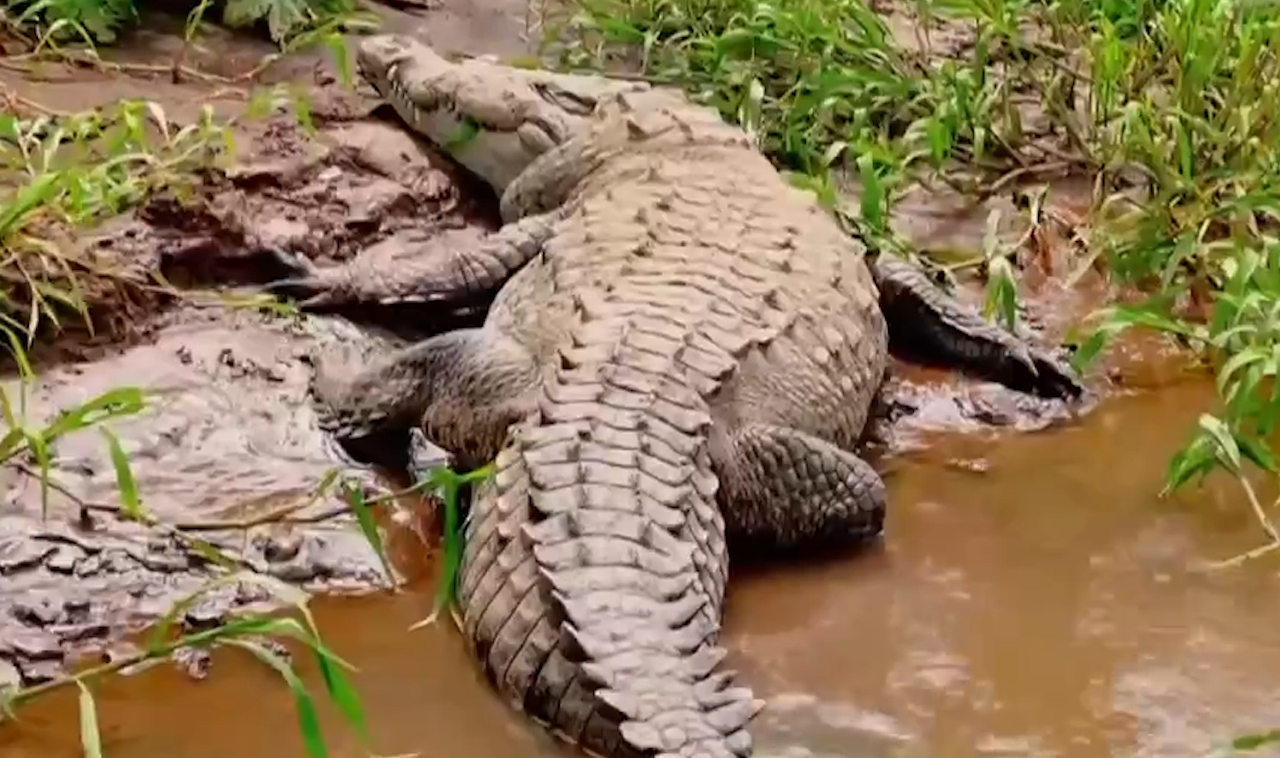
[[681, 355]]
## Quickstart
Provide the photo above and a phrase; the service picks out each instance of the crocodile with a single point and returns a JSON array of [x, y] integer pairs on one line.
[[680, 357]]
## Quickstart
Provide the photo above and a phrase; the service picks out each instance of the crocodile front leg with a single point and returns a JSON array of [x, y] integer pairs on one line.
[[465, 388], [782, 489], [407, 270], [928, 323]]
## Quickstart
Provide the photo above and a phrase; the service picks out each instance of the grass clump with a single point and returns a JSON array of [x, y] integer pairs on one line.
[[65, 174], [98, 22], [1167, 106]]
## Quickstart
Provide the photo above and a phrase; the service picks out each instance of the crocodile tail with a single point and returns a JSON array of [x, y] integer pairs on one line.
[[601, 543]]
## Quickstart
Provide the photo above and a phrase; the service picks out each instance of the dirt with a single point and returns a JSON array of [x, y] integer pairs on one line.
[[230, 436]]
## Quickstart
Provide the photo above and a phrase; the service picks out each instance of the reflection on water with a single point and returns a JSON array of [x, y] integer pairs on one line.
[[1047, 607]]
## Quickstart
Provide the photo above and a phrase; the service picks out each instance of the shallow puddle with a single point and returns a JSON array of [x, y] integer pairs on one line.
[[1050, 606]]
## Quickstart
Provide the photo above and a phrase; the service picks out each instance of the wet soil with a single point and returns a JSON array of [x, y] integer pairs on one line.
[[983, 523]]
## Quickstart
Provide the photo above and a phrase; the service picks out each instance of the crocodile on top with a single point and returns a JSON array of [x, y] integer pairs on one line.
[[681, 355]]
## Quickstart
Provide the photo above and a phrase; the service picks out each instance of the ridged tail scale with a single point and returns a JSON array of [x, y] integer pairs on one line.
[[597, 562]]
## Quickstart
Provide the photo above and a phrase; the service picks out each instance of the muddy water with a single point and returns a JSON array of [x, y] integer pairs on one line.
[[1050, 606]]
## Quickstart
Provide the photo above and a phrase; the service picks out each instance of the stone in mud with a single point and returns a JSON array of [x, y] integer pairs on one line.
[[64, 559], [194, 662], [206, 614], [32, 645], [19, 554], [970, 465], [37, 611], [120, 651]]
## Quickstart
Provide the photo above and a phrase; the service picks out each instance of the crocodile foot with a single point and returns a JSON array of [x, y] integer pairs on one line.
[[927, 323], [440, 271], [785, 491]]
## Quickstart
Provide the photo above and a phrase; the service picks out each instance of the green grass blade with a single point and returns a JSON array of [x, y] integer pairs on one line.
[[90, 737], [368, 527], [130, 503], [341, 691], [308, 720]]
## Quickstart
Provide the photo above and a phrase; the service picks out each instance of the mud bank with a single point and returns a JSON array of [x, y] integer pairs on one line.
[[228, 436]]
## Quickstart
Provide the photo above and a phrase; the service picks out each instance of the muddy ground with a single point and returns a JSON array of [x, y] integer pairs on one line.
[[230, 433]]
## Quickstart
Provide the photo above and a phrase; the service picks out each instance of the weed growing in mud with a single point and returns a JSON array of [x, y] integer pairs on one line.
[[96, 22], [1170, 108], [65, 174]]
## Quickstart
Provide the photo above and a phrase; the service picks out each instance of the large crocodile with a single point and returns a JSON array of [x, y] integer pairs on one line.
[[681, 355]]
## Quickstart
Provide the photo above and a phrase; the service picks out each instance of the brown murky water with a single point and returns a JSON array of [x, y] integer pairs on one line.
[[1048, 607]]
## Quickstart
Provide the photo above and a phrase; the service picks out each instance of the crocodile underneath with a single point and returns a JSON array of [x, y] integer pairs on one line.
[[682, 354]]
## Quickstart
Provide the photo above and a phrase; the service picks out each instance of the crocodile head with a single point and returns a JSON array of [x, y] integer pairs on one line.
[[492, 119]]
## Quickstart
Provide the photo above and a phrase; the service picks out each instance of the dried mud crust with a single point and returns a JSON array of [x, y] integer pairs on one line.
[[228, 434]]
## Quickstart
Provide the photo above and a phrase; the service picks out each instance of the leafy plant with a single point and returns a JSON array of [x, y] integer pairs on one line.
[[95, 22], [70, 173]]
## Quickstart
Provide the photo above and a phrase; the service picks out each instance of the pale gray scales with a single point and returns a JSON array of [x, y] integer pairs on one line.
[[682, 355]]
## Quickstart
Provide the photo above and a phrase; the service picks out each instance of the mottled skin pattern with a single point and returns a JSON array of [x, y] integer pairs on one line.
[[682, 354]]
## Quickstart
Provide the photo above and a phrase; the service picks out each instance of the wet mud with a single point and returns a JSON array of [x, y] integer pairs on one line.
[[228, 436]]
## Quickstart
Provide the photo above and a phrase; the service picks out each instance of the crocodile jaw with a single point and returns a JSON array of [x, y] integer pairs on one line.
[[492, 119]]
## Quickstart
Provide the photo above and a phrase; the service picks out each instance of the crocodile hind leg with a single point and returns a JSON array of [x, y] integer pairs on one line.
[[418, 267], [927, 323], [464, 388], [782, 489]]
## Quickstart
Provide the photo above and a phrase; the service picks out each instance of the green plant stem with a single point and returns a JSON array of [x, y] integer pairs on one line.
[[17, 697]]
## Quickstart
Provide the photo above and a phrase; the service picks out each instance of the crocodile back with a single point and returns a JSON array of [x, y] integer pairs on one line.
[[594, 577]]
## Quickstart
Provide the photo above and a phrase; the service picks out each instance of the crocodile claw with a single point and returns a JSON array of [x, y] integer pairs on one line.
[[1052, 377], [302, 281], [308, 292]]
